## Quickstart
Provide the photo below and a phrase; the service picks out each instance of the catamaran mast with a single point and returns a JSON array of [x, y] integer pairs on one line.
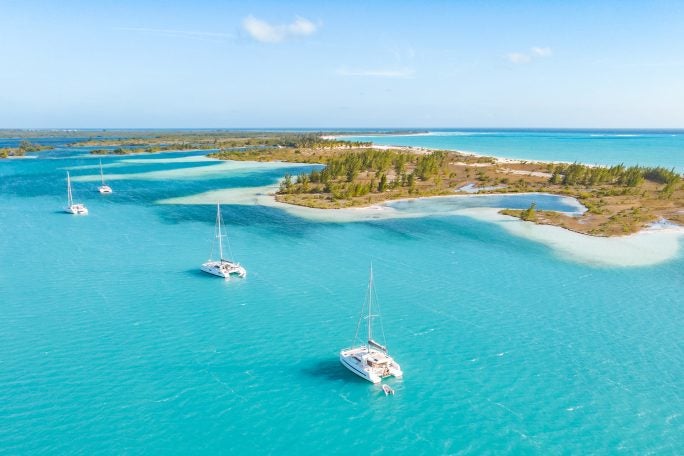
[[218, 224], [101, 173], [370, 302], [70, 199]]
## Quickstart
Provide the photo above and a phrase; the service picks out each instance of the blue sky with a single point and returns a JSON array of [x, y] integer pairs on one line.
[[123, 64]]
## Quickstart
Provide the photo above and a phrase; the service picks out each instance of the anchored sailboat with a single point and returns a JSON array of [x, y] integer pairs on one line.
[[73, 208], [222, 267], [370, 360], [104, 188]]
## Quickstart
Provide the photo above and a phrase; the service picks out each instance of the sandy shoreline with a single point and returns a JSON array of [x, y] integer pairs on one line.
[[654, 244], [650, 246], [426, 150], [497, 160], [658, 243]]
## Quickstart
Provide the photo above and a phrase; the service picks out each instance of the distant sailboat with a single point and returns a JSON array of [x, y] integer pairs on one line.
[[104, 188], [73, 208], [370, 360], [222, 267]]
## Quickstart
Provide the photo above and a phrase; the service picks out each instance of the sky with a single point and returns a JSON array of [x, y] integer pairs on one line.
[[343, 64]]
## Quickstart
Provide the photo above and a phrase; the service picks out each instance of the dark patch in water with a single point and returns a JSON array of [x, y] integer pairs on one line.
[[332, 370]]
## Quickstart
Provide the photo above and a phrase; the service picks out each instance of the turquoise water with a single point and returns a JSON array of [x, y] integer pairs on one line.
[[604, 147], [114, 343]]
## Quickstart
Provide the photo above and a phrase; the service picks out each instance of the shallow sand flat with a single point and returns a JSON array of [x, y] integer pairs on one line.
[[241, 196], [264, 196], [147, 161], [520, 172], [217, 168], [190, 159], [116, 164], [645, 248]]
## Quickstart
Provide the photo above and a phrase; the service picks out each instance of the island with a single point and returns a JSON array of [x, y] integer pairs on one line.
[[208, 140], [24, 147], [619, 199]]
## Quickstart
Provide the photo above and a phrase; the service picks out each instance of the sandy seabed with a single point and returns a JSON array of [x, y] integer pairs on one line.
[[657, 244]]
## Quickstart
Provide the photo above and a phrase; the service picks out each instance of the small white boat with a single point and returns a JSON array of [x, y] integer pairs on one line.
[[104, 188], [73, 208], [370, 360], [387, 389], [222, 267]]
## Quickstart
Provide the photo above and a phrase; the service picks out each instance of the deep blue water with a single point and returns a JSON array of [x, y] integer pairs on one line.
[[114, 342]]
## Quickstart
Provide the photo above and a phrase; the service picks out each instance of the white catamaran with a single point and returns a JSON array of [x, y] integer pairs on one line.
[[370, 360], [73, 208], [222, 267], [104, 188]]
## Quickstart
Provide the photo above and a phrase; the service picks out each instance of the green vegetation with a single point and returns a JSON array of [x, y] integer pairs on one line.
[[226, 143], [24, 147], [618, 199], [633, 176], [148, 149], [372, 173], [530, 213]]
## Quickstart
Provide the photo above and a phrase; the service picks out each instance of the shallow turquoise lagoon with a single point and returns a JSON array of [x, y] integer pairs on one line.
[[113, 341], [603, 147]]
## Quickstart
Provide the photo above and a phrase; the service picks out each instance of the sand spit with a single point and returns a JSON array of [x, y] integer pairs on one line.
[[657, 244]]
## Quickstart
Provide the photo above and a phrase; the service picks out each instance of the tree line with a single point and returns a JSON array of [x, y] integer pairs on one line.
[[340, 177], [633, 176]]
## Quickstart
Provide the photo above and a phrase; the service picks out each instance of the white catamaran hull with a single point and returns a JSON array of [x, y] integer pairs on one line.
[[73, 208], [371, 365], [76, 209], [223, 269], [105, 189]]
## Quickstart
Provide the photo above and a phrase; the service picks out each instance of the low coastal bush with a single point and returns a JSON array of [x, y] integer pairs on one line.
[[24, 147], [633, 176], [529, 214]]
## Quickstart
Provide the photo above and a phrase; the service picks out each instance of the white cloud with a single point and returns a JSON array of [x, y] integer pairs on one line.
[[301, 27], [402, 73], [526, 57], [517, 58], [267, 33], [542, 51]]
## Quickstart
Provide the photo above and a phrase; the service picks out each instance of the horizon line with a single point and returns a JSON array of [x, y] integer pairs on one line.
[[310, 128]]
